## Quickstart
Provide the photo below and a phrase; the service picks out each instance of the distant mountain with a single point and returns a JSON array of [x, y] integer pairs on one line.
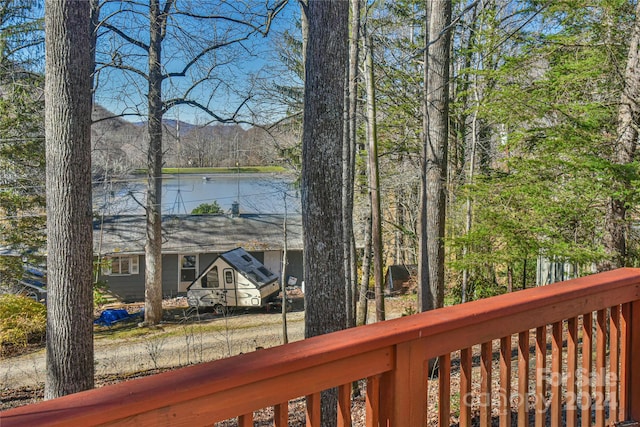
[[173, 124], [120, 146], [221, 129]]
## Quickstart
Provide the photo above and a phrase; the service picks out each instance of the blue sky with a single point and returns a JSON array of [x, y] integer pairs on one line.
[[246, 68]]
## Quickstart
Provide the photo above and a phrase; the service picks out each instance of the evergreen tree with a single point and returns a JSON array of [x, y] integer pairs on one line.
[[21, 138], [553, 113]]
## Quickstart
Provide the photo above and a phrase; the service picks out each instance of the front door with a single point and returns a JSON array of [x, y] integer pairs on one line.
[[187, 270]]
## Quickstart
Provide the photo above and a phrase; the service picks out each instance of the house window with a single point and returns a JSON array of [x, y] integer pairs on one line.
[[123, 265], [188, 268]]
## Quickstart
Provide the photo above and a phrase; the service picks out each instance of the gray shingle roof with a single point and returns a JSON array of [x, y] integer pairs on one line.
[[199, 233]]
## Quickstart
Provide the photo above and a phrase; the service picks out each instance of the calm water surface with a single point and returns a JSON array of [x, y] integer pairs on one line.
[[256, 193]]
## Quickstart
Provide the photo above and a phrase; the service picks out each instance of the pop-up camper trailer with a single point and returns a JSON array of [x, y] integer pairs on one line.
[[233, 279]]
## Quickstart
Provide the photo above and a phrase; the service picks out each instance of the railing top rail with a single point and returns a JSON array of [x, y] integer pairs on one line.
[[444, 330]]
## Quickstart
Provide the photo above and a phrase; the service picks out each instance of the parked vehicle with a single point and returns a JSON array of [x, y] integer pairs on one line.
[[234, 279]]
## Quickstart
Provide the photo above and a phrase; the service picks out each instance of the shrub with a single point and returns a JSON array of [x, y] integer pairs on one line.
[[99, 291], [22, 320], [207, 208]]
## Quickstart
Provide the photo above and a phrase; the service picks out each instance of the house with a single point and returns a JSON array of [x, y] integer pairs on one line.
[[556, 270], [191, 242], [400, 278], [233, 279]]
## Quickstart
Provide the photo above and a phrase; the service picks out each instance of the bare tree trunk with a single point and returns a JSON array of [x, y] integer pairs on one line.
[[283, 278], [374, 179], [348, 160], [470, 174], [400, 256], [625, 153], [69, 63], [304, 30], [434, 174], [354, 55], [153, 247], [363, 303], [322, 144]]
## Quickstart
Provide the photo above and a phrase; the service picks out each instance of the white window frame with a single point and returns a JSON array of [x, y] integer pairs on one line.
[[195, 269], [134, 265]]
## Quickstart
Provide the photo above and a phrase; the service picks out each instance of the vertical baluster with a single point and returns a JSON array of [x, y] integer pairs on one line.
[[556, 375], [624, 361], [281, 415], [614, 360], [486, 351], [505, 381], [465, 387], [344, 405], [541, 364], [245, 420], [572, 369], [601, 349], [444, 389], [523, 379], [313, 410], [372, 402], [632, 375], [587, 362]]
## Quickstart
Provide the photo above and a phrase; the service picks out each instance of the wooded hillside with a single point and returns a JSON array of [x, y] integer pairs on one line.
[[120, 146]]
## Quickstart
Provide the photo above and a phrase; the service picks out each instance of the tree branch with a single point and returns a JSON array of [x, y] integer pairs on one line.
[[211, 48], [126, 37]]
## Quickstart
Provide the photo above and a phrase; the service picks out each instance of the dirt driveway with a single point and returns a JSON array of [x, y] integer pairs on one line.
[[125, 348]]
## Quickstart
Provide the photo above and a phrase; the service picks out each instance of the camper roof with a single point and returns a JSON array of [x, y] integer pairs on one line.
[[249, 266], [246, 264]]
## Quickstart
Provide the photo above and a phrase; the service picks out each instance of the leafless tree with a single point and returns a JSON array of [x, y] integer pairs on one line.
[[172, 52], [434, 174], [374, 176], [348, 162]]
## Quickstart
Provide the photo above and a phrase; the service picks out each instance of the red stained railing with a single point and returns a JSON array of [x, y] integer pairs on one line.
[[563, 354]]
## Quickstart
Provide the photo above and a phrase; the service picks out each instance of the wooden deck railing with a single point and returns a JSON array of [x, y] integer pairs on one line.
[[575, 360]]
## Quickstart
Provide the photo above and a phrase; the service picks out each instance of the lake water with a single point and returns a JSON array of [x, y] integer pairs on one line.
[[256, 193]]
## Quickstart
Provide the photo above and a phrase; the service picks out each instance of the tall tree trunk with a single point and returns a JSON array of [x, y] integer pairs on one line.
[[470, 175], [153, 247], [69, 63], [348, 159], [283, 278], [374, 179], [304, 30], [400, 254], [434, 170], [325, 76], [625, 152]]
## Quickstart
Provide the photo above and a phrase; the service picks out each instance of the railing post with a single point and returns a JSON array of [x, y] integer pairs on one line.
[[404, 389], [631, 314]]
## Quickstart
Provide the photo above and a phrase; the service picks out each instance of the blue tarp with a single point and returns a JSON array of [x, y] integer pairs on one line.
[[113, 315]]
